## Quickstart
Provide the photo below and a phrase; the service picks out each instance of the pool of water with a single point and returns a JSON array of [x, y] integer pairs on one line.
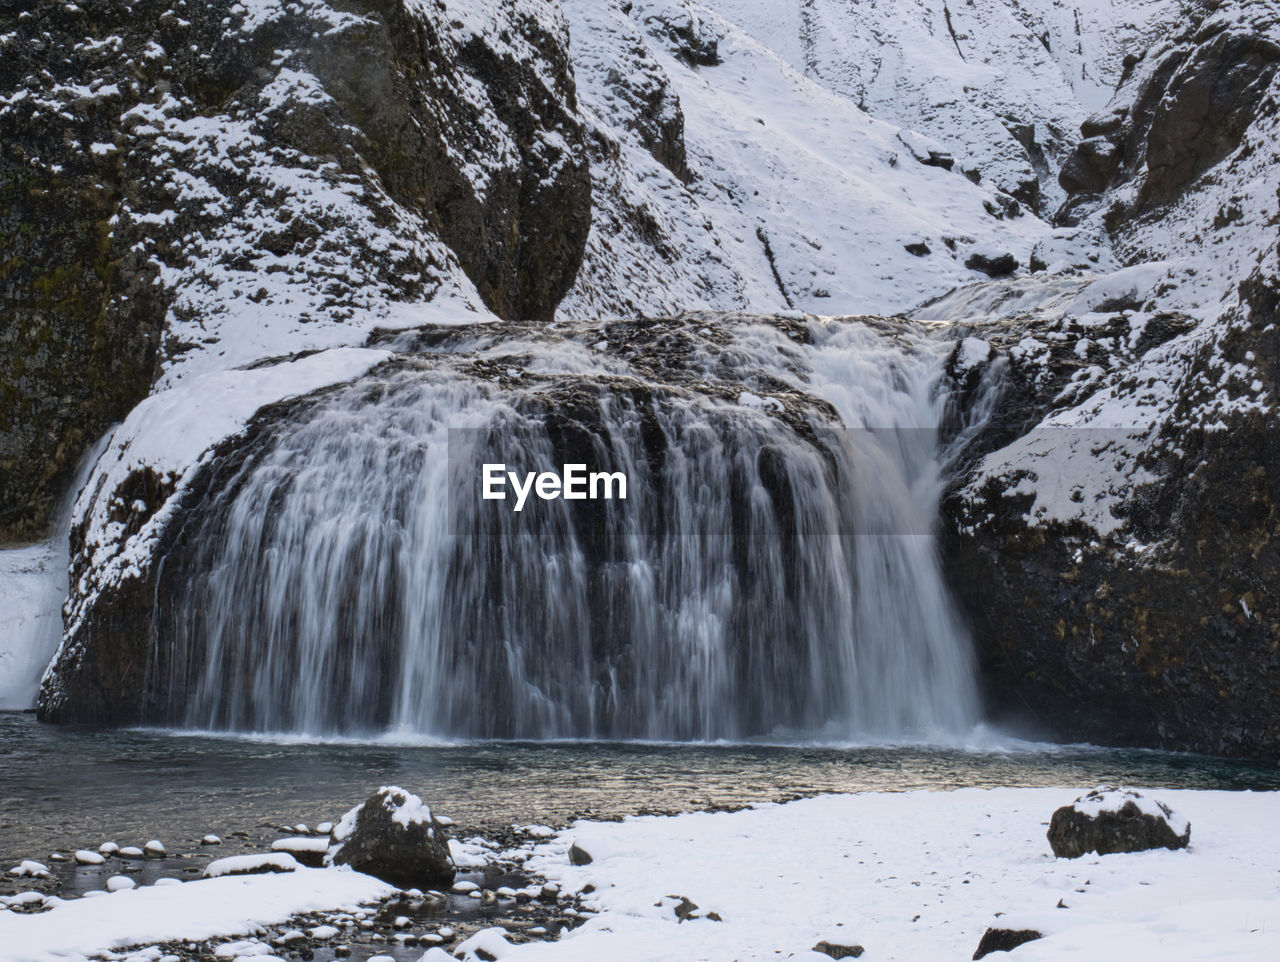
[[63, 789]]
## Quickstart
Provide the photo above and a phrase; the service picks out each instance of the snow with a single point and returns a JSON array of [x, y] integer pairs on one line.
[[407, 808], [915, 876], [75, 929], [1106, 798], [30, 869], [800, 198]]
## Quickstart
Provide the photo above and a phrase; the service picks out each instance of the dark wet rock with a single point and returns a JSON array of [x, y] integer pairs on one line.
[[1092, 167], [1206, 108], [579, 855], [838, 951], [1004, 940], [991, 264], [1109, 820], [393, 836], [920, 249]]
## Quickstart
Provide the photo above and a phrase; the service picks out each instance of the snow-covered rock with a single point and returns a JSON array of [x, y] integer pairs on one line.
[[307, 850], [251, 865], [1108, 820], [393, 836]]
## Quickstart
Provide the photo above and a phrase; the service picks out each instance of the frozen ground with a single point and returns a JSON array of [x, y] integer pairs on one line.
[[917, 876], [920, 876]]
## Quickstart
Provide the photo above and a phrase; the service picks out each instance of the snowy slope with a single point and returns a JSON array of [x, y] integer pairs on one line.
[[797, 198]]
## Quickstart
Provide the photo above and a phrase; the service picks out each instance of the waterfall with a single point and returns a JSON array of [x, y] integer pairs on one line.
[[772, 571]]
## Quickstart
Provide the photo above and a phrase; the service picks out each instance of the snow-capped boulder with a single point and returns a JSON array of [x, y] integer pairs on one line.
[[1108, 820], [274, 863], [393, 836]]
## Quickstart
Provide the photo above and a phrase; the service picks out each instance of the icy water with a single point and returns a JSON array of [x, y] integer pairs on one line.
[[64, 789]]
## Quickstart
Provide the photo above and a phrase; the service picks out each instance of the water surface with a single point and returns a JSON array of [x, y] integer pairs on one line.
[[62, 789]]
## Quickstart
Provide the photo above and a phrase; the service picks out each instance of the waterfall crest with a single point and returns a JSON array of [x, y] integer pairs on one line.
[[772, 571]]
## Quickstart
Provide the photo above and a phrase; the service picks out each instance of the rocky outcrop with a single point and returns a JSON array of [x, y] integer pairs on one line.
[[1114, 538], [172, 169], [1180, 109], [393, 836], [1108, 820], [1163, 630]]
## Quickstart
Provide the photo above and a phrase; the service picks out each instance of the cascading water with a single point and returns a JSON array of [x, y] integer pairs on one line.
[[772, 571]]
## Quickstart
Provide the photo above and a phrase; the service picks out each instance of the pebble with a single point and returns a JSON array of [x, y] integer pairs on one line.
[[301, 828], [402, 922], [108, 848], [431, 938], [154, 849], [85, 857], [131, 851], [382, 958], [462, 888], [550, 890], [322, 933], [324, 828], [341, 951], [445, 933], [30, 869], [538, 930], [120, 883], [211, 840], [57, 857]]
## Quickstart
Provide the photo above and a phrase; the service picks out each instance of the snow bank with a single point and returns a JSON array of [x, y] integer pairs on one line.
[[74, 930], [917, 876]]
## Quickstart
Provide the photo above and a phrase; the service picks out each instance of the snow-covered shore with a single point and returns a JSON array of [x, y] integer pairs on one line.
[[916, 875], [920, 876]]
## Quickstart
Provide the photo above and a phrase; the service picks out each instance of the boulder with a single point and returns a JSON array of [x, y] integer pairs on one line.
[[992, 263], [1092, 167], [838, 951], [1004, 940], [393, 836], [579, 855], [1111, 820], [273, 864]]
